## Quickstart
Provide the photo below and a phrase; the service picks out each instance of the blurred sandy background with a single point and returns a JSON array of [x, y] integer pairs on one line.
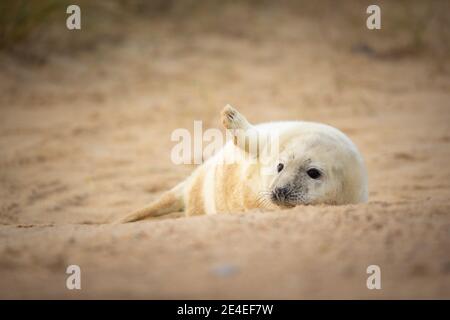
[[85, 125]]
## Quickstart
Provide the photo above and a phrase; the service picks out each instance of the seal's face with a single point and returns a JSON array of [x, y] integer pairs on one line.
[[315, 168], [297, 181]]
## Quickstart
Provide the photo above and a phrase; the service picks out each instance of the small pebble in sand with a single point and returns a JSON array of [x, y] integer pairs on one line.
[[225, 270]]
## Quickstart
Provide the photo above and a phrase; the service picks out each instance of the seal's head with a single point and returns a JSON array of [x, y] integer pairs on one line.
[[301, 162], [316, 164]]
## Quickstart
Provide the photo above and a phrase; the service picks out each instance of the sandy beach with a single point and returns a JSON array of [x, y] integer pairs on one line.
[[85, 138]]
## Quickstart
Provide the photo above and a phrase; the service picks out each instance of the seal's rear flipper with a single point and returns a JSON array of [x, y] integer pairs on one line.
[[170, 201]]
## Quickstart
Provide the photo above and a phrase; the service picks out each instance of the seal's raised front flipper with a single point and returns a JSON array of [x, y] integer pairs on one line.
[[170, 201], [245, 136]]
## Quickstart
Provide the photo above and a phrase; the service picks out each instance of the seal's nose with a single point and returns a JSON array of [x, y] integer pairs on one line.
[[280, 194]]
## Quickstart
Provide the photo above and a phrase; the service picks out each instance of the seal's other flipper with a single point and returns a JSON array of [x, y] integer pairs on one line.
[[170, 201]]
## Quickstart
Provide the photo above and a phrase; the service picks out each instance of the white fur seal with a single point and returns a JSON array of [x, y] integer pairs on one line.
[[313, 164]]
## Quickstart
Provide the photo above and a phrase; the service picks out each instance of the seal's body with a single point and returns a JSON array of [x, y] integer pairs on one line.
[[270, 165]]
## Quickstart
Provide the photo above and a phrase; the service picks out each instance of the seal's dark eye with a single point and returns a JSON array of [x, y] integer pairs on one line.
[[314, 173], [280, 167]]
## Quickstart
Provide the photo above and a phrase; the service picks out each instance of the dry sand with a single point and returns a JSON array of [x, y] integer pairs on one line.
[[85, 138]]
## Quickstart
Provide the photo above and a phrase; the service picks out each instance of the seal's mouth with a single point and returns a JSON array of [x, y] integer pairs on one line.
[[281, 198]]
